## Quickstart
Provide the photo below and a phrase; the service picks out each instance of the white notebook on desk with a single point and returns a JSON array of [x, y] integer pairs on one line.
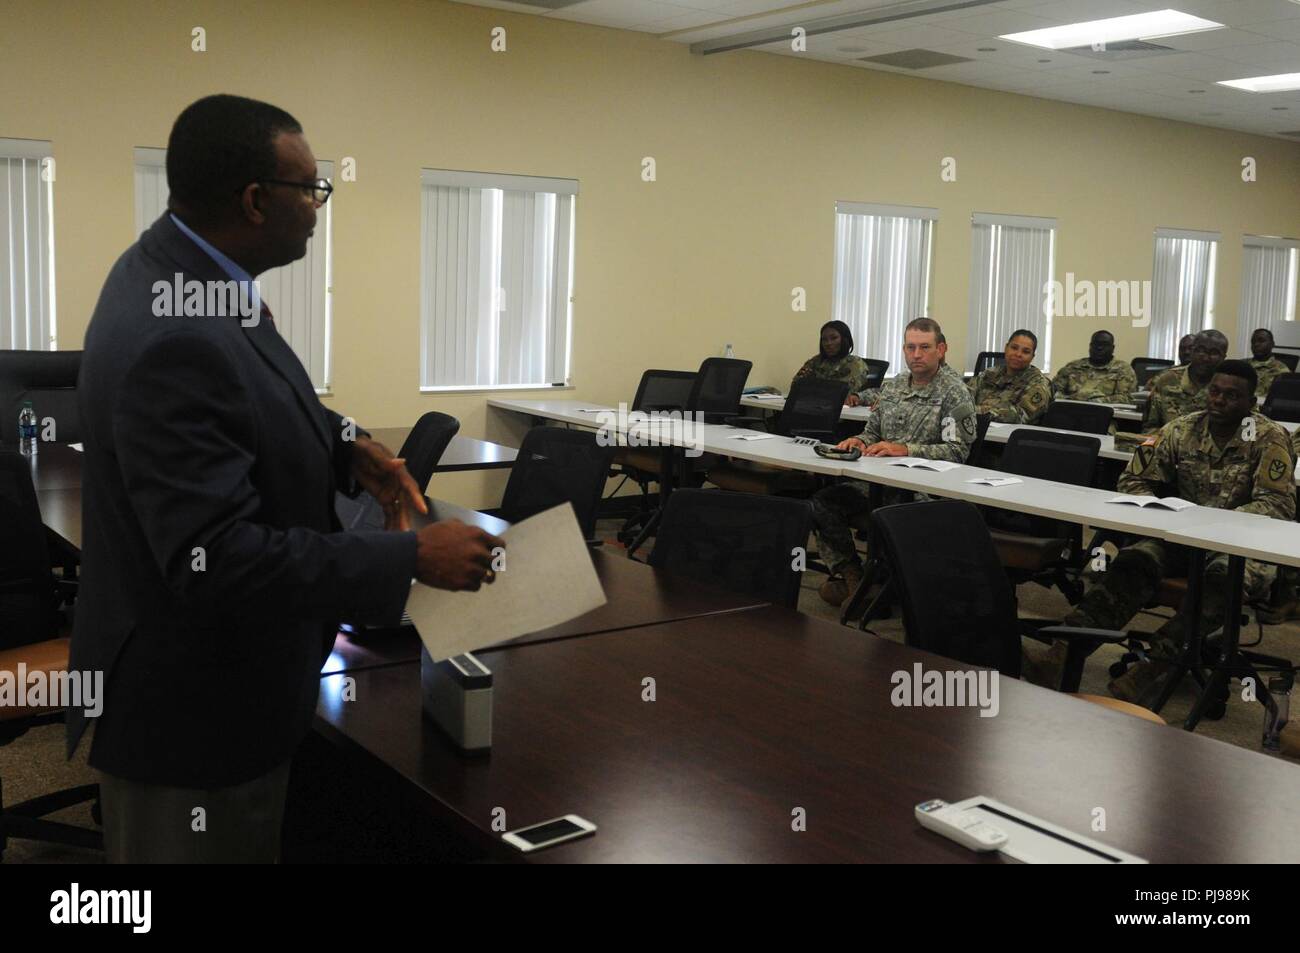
[[917, 463], [1167, 503]]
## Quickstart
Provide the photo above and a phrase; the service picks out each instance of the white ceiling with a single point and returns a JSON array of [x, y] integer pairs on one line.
[[1262, 38]]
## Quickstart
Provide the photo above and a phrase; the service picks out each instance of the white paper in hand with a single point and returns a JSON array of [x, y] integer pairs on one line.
[[547, 579]]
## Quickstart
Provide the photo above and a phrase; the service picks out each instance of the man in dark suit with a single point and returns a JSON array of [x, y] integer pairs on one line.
[[214, 571]]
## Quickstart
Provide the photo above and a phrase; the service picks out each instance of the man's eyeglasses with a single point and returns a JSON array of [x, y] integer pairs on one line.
[[320, 189]]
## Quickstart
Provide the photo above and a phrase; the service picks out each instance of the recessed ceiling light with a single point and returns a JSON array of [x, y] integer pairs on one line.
[[1139, 26], [1281, 83]]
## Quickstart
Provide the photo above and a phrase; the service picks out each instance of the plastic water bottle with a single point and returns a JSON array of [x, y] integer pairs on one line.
[[27, 429], [729, 352]]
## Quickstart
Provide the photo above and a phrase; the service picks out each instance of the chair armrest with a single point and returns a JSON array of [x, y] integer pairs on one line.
[[1068, 632]]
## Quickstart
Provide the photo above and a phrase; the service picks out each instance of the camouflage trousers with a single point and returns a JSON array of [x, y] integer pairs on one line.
[[1131, 579], [837, 509]]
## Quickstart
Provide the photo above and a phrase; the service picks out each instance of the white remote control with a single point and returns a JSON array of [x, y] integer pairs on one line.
[[958, 825]]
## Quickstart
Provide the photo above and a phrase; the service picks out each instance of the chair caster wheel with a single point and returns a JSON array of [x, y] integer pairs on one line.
[[1117, 669], [1215, 711]]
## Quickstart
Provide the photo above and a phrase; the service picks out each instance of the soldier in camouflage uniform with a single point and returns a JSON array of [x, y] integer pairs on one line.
[[1098, 377], [1286, 604], [1174, 394], [1266, 366], [1015, 392], [1226, 457], [925, 413], [835, 361]]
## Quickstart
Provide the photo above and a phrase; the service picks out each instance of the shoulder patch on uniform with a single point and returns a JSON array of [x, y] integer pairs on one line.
[[968, 425]]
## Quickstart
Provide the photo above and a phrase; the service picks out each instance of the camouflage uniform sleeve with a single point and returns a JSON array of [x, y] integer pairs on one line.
[[974, 385], [1155, 418], [1063, 382], [1125, 385], [804, 371], [1273, 485], [1033, 402], [1152, 466], [957, 429], [871, 429]]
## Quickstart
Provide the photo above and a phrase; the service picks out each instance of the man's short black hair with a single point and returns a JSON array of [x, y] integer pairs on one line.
[[217, 146], [1101, 332], [1025, 333], [1240, 369], [1263, 331]]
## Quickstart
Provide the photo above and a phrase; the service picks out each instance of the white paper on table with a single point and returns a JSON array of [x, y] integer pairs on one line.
[[939, 466], [547, 579], [996, 481], [595, 410], [77, 447], [765, 397], [1167, 503], [752, 436]]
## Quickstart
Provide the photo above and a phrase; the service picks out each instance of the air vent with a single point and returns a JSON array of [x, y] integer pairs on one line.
[[1123, 50], [915, 59]]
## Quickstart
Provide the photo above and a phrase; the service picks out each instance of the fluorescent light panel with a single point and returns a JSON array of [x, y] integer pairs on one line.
[[1281, 83], [1139, 26]]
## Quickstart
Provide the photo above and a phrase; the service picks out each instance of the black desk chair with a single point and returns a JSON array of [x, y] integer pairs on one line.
[[1289, 359], [876, 370], [556, 465], [49, 380], [659, 390], [425, 445], [988, 359], [1085, 418], [719, 384], [957, 601], [982, 422], [1283, 400], [737, 541], [1148, 367]]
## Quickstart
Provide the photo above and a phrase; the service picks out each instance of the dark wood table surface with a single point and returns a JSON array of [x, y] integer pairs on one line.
[[761, 712], [638, 596], [463, 453], [55, 466]]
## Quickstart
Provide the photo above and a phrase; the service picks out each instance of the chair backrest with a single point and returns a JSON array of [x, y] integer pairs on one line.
[[813, 408], [425, 445], [1283, 400], [875, 371], [1086, 418], [982, 422], [742, 542], [28, 598], [1148, 367], [957, 600], [1289, 359], [718, 386], [1045, 455], [988, 359], [555, 466], [49, 380], [664, 390]]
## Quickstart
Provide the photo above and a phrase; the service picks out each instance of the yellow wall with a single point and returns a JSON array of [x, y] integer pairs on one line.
[[752, 149]]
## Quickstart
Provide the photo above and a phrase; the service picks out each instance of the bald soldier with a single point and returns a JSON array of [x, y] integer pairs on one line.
[[1015, 392], [1227, 457], [1098, 377], [1175, 393], [1267, 367], [924, 413]]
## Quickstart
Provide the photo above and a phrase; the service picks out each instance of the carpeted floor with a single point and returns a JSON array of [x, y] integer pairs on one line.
[[35, 763]]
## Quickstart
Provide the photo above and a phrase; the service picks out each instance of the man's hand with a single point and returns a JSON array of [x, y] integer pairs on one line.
[[385, 477], [452, 555], [886, 449], [852, 400], [850, 444]]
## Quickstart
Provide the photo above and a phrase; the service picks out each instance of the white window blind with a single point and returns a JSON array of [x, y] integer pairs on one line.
[[1268, 286], [496, 280], [27, 300], [298, 294], [1012, 262], [1182, 287], [882, 273]]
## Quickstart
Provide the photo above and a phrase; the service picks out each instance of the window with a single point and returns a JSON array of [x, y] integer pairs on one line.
[[298, 294], [1012, 263], [27, 312], [1182, 287], [496, 280], [882, 273], [1268, 286]]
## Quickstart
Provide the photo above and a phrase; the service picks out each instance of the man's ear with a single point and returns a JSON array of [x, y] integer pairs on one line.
[[250, 203]]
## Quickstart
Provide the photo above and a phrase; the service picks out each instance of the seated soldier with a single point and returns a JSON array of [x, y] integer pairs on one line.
[[1015, 392], [835, 361], [1184, 358], [1227, 457], [1099, 377], [1286, 595], [924, 413], [1266, 366], [1175, 393]]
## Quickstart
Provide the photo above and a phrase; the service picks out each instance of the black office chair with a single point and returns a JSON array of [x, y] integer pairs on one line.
[[1084, 418], [737, 541], [719, 384], [425, 445], [1037, 548], [49, 380], [1148, 367], [812, 410], [957, 601], [1283, 400], [556, 465], [662, 391], [876, 370], [1290, 360], [976, 453], [988, 359]]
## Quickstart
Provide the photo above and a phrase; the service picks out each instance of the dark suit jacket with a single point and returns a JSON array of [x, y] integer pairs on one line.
[[200, 432]]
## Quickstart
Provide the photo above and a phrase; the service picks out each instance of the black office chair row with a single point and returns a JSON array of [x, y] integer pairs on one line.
[[1283, 400]]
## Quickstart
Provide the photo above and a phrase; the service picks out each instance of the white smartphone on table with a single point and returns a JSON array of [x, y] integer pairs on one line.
[[549, 833]]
